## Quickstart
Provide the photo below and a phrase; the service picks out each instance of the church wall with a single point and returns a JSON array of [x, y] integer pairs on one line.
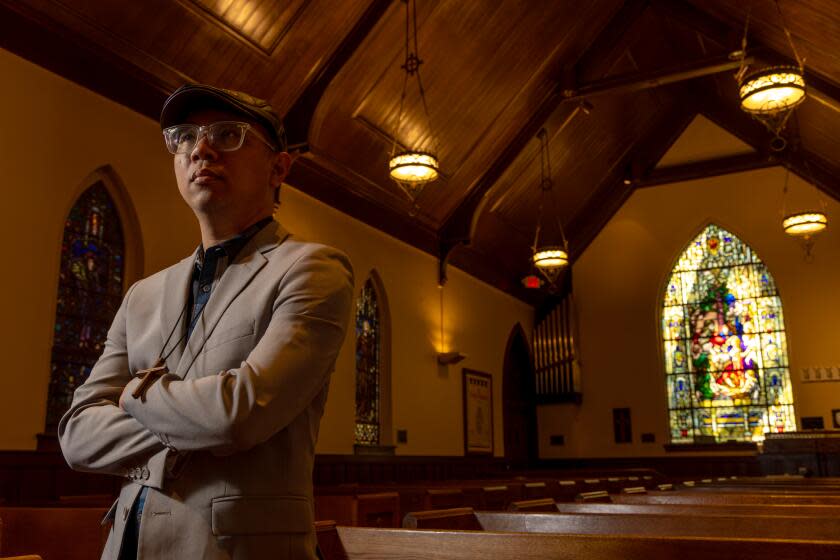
[[619, 284], [477, 321], [56, 133]]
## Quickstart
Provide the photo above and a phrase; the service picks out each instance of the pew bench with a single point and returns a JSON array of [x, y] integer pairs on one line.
[[65, 533], [639, 524], [357, 543], [726, 498], [702, 509]]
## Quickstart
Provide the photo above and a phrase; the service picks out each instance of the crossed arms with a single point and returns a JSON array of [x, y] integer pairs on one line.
[[225, 413]]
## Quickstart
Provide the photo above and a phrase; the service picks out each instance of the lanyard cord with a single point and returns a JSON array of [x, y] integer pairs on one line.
[[163, 358]]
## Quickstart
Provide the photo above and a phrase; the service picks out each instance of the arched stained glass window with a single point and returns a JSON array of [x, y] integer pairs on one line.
[[725, 351], [90, 289], [368, 345]]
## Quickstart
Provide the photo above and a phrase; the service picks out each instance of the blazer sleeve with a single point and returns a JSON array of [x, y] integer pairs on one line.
[[283, 374], [95, 434]]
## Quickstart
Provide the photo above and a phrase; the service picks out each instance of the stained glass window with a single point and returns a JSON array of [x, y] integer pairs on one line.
[[725, 349], [368, 343], [90, 288]]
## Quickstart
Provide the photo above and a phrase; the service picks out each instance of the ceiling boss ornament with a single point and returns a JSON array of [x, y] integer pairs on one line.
[[771, 93], [412, 168], [547, 258]]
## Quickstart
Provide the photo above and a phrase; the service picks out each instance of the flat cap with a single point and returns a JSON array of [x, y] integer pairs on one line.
[[191, 97]]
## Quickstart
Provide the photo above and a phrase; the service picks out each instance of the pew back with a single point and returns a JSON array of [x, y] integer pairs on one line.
[[711, 498], [665, 525], [48, 531], [386, 544], [703, 509]]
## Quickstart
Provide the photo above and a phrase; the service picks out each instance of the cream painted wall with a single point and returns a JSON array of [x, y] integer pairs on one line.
[[619, 284], [426, 396], [56, 133]]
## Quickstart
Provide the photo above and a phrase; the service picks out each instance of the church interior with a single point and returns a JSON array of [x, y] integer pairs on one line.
[[613, 289]]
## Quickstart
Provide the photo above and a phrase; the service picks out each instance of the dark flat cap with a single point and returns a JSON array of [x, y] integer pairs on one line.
[[191, 97]]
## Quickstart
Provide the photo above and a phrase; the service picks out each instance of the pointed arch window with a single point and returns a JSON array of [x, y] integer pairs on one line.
[[90, 289], [725, 348], [368, 355]]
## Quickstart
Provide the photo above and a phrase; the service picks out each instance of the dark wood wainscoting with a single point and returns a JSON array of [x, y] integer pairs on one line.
[[43, 477]]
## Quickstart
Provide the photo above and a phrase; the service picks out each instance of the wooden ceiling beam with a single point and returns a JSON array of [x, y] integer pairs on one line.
[[38, 38], [595, 61], [614, 190], [299, 115], [707, 168], [820, 87], [647, 80], [803, 163]]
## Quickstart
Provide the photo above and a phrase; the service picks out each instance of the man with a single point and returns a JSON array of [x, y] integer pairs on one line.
[[211, 387]]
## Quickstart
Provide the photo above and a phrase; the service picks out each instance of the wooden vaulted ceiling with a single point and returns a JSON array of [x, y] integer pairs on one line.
[[614, 84]]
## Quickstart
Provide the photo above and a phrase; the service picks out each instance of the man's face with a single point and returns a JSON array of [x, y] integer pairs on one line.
[[233, 186]]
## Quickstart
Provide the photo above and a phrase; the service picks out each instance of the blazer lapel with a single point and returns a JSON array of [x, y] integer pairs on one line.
[[173, 315], [235, 278]]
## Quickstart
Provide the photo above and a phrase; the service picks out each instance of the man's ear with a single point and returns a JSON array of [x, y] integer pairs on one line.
[[280, 168]]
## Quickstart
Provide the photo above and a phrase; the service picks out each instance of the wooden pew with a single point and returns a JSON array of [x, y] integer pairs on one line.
[[377, 510], [381, 509], [640, 524], [535, 490], [665, 525], [461, 519], [444, 498], [722, 498], [328, 541], [53, 533], [495, 498], [542, 504], [694, 509], [386, 544]]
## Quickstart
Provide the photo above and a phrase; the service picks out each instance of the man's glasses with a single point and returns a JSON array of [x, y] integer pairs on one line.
[[224, 136]]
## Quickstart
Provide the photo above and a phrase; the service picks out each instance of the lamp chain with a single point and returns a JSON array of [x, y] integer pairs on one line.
[[800, 61], [546, 186], [411, 66], [742, 70], [545, 182]]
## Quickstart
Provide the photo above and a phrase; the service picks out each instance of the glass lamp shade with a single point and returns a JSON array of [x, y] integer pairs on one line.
[[772, 90], [550, 258], [415, 168], [805, 223]]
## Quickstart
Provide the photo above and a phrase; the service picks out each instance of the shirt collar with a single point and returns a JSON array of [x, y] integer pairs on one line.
[[231, 247]]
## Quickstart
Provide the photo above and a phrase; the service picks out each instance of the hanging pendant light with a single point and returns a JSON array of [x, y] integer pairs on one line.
[[772, 90], [804, 223], [771, 93], [412, 169], [549, 259]]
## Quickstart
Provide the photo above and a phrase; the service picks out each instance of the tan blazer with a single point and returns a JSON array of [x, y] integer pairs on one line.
[[226, 442]]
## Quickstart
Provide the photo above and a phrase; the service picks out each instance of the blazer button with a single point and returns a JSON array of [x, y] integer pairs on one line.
[[145, 473]]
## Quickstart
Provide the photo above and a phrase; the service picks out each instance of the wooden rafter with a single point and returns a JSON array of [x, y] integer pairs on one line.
[[820, 87], [707, 168], [605, 49], [300, 114], [638, 82], [807, 165], [616, 187]]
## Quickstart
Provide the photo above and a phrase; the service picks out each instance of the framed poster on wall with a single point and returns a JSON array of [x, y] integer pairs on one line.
[[478, 413]]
